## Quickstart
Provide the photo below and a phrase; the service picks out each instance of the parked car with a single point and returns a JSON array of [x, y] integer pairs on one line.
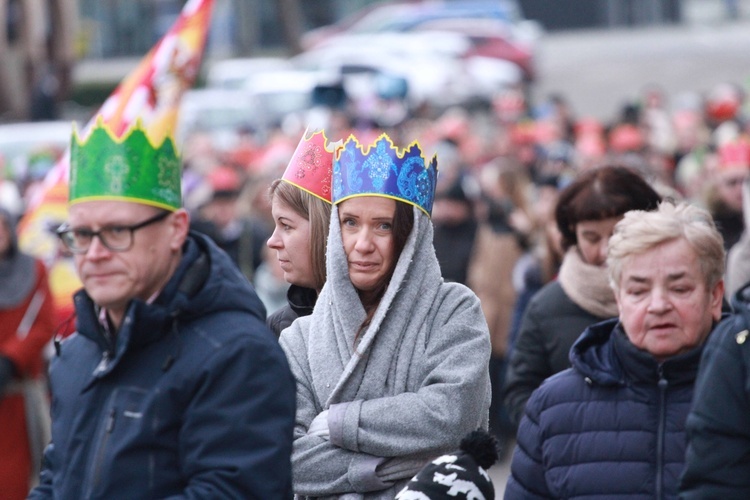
[[276, 94], [433, 64], [496, 28], [233, 73], [491, 38], [260, 102]]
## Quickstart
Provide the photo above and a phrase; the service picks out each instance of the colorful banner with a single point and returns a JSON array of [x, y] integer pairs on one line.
[[151, 92]]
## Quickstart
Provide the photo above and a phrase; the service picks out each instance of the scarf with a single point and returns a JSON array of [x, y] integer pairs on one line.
[[587, 286]]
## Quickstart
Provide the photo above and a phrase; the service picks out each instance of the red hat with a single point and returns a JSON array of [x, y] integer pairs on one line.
[[224, 179], [625, 137], [311, 166], [723, 102], [588, 126], [734, 154]]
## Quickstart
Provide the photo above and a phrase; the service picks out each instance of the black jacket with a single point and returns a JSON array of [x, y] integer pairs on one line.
[[551, 324], [718, 456], [300, 302]]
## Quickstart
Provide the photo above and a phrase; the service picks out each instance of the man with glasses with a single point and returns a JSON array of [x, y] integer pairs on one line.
[[172, 385]]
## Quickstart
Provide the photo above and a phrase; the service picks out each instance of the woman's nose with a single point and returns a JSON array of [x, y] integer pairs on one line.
[[274, 241], [364, 241]]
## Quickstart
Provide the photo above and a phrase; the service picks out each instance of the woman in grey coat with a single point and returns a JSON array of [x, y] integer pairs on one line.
[[391, 366]]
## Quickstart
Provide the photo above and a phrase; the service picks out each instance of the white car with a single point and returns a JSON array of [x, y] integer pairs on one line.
[[219, 112], [432, 63], [234, 73]]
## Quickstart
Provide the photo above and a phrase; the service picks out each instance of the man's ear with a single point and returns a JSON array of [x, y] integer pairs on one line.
[[180, 225]]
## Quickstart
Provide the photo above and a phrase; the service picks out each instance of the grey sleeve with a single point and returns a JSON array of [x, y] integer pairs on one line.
[[319, 466]]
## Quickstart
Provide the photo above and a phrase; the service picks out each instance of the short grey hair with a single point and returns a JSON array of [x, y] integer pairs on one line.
[[640, 231]]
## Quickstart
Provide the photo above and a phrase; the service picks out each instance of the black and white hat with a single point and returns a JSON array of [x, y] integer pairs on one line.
[[459, 475]]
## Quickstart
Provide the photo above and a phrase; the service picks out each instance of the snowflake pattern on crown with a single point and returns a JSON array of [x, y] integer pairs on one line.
[[381, 170], [311, 166], [128, 168]]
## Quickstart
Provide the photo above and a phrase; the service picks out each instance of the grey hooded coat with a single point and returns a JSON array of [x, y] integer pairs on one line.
[[413, 386]]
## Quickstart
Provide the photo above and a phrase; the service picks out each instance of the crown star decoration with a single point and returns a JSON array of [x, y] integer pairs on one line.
[[311, 166], [380, 169], [127, 168]]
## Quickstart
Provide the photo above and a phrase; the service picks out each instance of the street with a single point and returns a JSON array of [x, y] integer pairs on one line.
[[599, 70]]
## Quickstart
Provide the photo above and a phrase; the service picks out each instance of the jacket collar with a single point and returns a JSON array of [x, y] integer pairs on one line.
[[301, 300], [145, 323], [605, 354]]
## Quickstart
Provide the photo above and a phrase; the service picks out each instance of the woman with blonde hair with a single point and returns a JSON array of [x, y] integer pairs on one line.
[[301, 210]]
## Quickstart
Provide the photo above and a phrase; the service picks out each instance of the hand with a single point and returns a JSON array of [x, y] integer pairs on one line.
[[319, 426]]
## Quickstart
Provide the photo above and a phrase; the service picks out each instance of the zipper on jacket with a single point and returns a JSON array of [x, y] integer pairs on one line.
[[108, 428], [104, 363], [661, 432]]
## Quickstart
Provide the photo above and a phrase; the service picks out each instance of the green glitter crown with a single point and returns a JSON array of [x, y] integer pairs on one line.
[[129, 168]]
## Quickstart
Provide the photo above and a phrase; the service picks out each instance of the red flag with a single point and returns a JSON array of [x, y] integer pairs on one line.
[[151, 92]]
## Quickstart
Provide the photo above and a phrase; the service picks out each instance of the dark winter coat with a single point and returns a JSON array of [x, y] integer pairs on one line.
[[551, 324], [193, 399], [300, 302], [612, 426], [718, 456]]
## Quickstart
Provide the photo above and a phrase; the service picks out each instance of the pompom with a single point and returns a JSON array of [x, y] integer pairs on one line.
[[482, 446]]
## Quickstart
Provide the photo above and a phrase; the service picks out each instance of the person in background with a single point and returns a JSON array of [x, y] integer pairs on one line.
[[269, 283], [220, 218], [503, 228], [27, 322], [738, 256], [391, 366], [613, 425], [172, 384], [455, 228], [301, 209], [724, 196], [586, 213]]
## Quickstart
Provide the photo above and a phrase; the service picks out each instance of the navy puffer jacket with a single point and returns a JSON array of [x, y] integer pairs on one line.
[[193, 399], [612, 426]]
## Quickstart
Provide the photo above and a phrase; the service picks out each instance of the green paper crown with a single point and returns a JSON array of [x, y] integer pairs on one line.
[[129, 168]]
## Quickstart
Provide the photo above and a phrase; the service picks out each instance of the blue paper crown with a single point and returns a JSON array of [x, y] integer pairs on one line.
[[380, 170]]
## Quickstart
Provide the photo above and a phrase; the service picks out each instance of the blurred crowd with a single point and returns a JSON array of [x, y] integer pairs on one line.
[[502, 165]]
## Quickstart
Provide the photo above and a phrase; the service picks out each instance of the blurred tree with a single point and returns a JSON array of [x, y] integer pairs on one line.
[[36, 56]]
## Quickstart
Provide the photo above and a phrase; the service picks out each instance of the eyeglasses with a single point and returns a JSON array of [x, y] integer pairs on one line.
[[115, 238]]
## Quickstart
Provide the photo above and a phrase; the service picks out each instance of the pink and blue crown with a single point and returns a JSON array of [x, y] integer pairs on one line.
[[380, 169]]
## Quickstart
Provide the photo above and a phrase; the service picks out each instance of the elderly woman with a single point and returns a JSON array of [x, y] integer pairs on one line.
[[614, 423], [586, 213], [301, 210], [391, 366]]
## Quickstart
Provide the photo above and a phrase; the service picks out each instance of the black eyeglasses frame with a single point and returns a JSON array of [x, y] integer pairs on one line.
[[65, 233]]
